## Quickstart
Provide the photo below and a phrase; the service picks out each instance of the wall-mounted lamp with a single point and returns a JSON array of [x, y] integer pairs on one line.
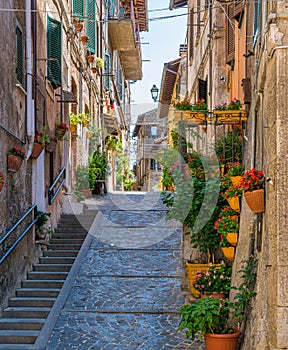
[[154, 92]]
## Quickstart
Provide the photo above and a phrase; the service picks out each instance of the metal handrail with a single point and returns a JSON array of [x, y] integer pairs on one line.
[[51, 194], [22, 235]]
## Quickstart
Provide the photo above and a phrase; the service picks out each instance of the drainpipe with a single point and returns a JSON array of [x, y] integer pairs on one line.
[[30, 123]]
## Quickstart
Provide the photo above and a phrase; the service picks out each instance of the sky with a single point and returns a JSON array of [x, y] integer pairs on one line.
[[159, 45]]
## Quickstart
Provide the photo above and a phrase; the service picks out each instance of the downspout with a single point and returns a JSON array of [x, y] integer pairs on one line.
[[101, 118], [30, 123]]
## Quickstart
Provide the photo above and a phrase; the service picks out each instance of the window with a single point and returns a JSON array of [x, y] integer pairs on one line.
[[202, 89], [107, 71], [230, 35], [78, 8], [19, 56], [257, 18], [54, 52], [153, 130], [91, 25], [120, 84], [191, 34]]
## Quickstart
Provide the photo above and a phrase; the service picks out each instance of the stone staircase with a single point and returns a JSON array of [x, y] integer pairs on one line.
[[26, 313]]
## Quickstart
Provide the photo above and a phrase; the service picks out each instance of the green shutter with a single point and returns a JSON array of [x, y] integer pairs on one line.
[[78, 8], [91, 25], [19, 56], [54, 51], [107, 70]]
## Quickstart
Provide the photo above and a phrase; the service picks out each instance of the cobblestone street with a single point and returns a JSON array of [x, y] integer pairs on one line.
[[126, 291]]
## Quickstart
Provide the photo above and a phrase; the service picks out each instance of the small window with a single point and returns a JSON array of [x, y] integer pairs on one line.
[[202, 89], [19, 55], [153, 130]]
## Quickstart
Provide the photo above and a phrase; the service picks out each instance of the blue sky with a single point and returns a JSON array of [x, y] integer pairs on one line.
[[164, 38]]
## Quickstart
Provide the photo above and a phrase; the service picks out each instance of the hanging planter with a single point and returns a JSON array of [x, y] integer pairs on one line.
[[235, 180], [234, 203], [2, 179], [84, 39], [13, 163], [51, 147], [222, 341], [37, 149], [94, 70], [78, 26], [60, 131], [89, 134], [232, 238], [90, 58], [229, 252], [255, 200]]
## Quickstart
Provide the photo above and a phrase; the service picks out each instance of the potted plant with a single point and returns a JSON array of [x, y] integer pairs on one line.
[[99, 62], [15, 157], [84, 39], [218, 321], [252, 183], [232, 195], [98, 169], [227, 227], [216, 281], [82, 180], [41, 230], [60, 130], [2, 180], [235, 172]]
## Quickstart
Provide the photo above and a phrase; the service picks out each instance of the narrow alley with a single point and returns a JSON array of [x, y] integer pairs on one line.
[[124, 290]]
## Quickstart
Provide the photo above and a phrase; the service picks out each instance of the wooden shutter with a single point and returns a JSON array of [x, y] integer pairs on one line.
[[191, 34], [91, 25], [78, 8], [54, 51], [198, 17], [230, 35], [107, 71], [19, 56], [202, 89]]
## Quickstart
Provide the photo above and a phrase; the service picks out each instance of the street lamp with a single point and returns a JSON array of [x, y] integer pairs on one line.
[[154, 92]]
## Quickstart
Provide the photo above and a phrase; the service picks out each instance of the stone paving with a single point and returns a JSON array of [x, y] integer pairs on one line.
[[126, 294]]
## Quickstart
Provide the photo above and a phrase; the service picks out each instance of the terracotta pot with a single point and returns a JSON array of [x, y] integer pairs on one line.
[[13, 163], [84, 39], [1, 186], [94, 70], [37, 149], [235, 180], [85, 122], [222, 341], [234, 203], [60, 132], [216, 295], [232, 237], [86, 193], [89, 134], [229, 252], [90, 58], [78, 26], [255, 200], [51, 147], [73, 128]]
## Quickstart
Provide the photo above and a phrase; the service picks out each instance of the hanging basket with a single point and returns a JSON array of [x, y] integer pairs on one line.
[[255, 201], [1, 186], [191, 275], [59, 133], [13, 163], [234, 203], [229, 252], [37, 149], [235, 180], [222, 341], [232, 238]]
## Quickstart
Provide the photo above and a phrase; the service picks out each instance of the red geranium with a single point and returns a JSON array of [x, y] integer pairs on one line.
[[252, 180]]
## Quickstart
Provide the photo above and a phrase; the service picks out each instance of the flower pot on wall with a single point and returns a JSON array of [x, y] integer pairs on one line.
[[37, 149], [51, 147], [13, 163], [84, 39], [217, 295], [232, 238], [235, 180], [255, 200], [229, 252], [222, 341], [1, 186], [234, 203]]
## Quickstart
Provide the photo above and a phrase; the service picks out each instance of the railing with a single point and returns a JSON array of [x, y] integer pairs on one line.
[[22, 235], [52, 192]]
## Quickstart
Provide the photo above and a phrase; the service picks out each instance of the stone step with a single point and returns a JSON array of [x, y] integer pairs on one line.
[[66, 241], [65, 246], [18, 336], [71, 230], [22, 323], [56, 260], [16, 347], [69, 235], [52, 267], [26, 312], [61, 253], [41, 275], [46, 284], [37, 292], [31, 302]]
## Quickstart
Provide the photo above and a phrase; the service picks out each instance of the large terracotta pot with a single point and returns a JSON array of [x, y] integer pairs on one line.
[[255, 201], [13, 163], [222, 341], [37, 149]]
